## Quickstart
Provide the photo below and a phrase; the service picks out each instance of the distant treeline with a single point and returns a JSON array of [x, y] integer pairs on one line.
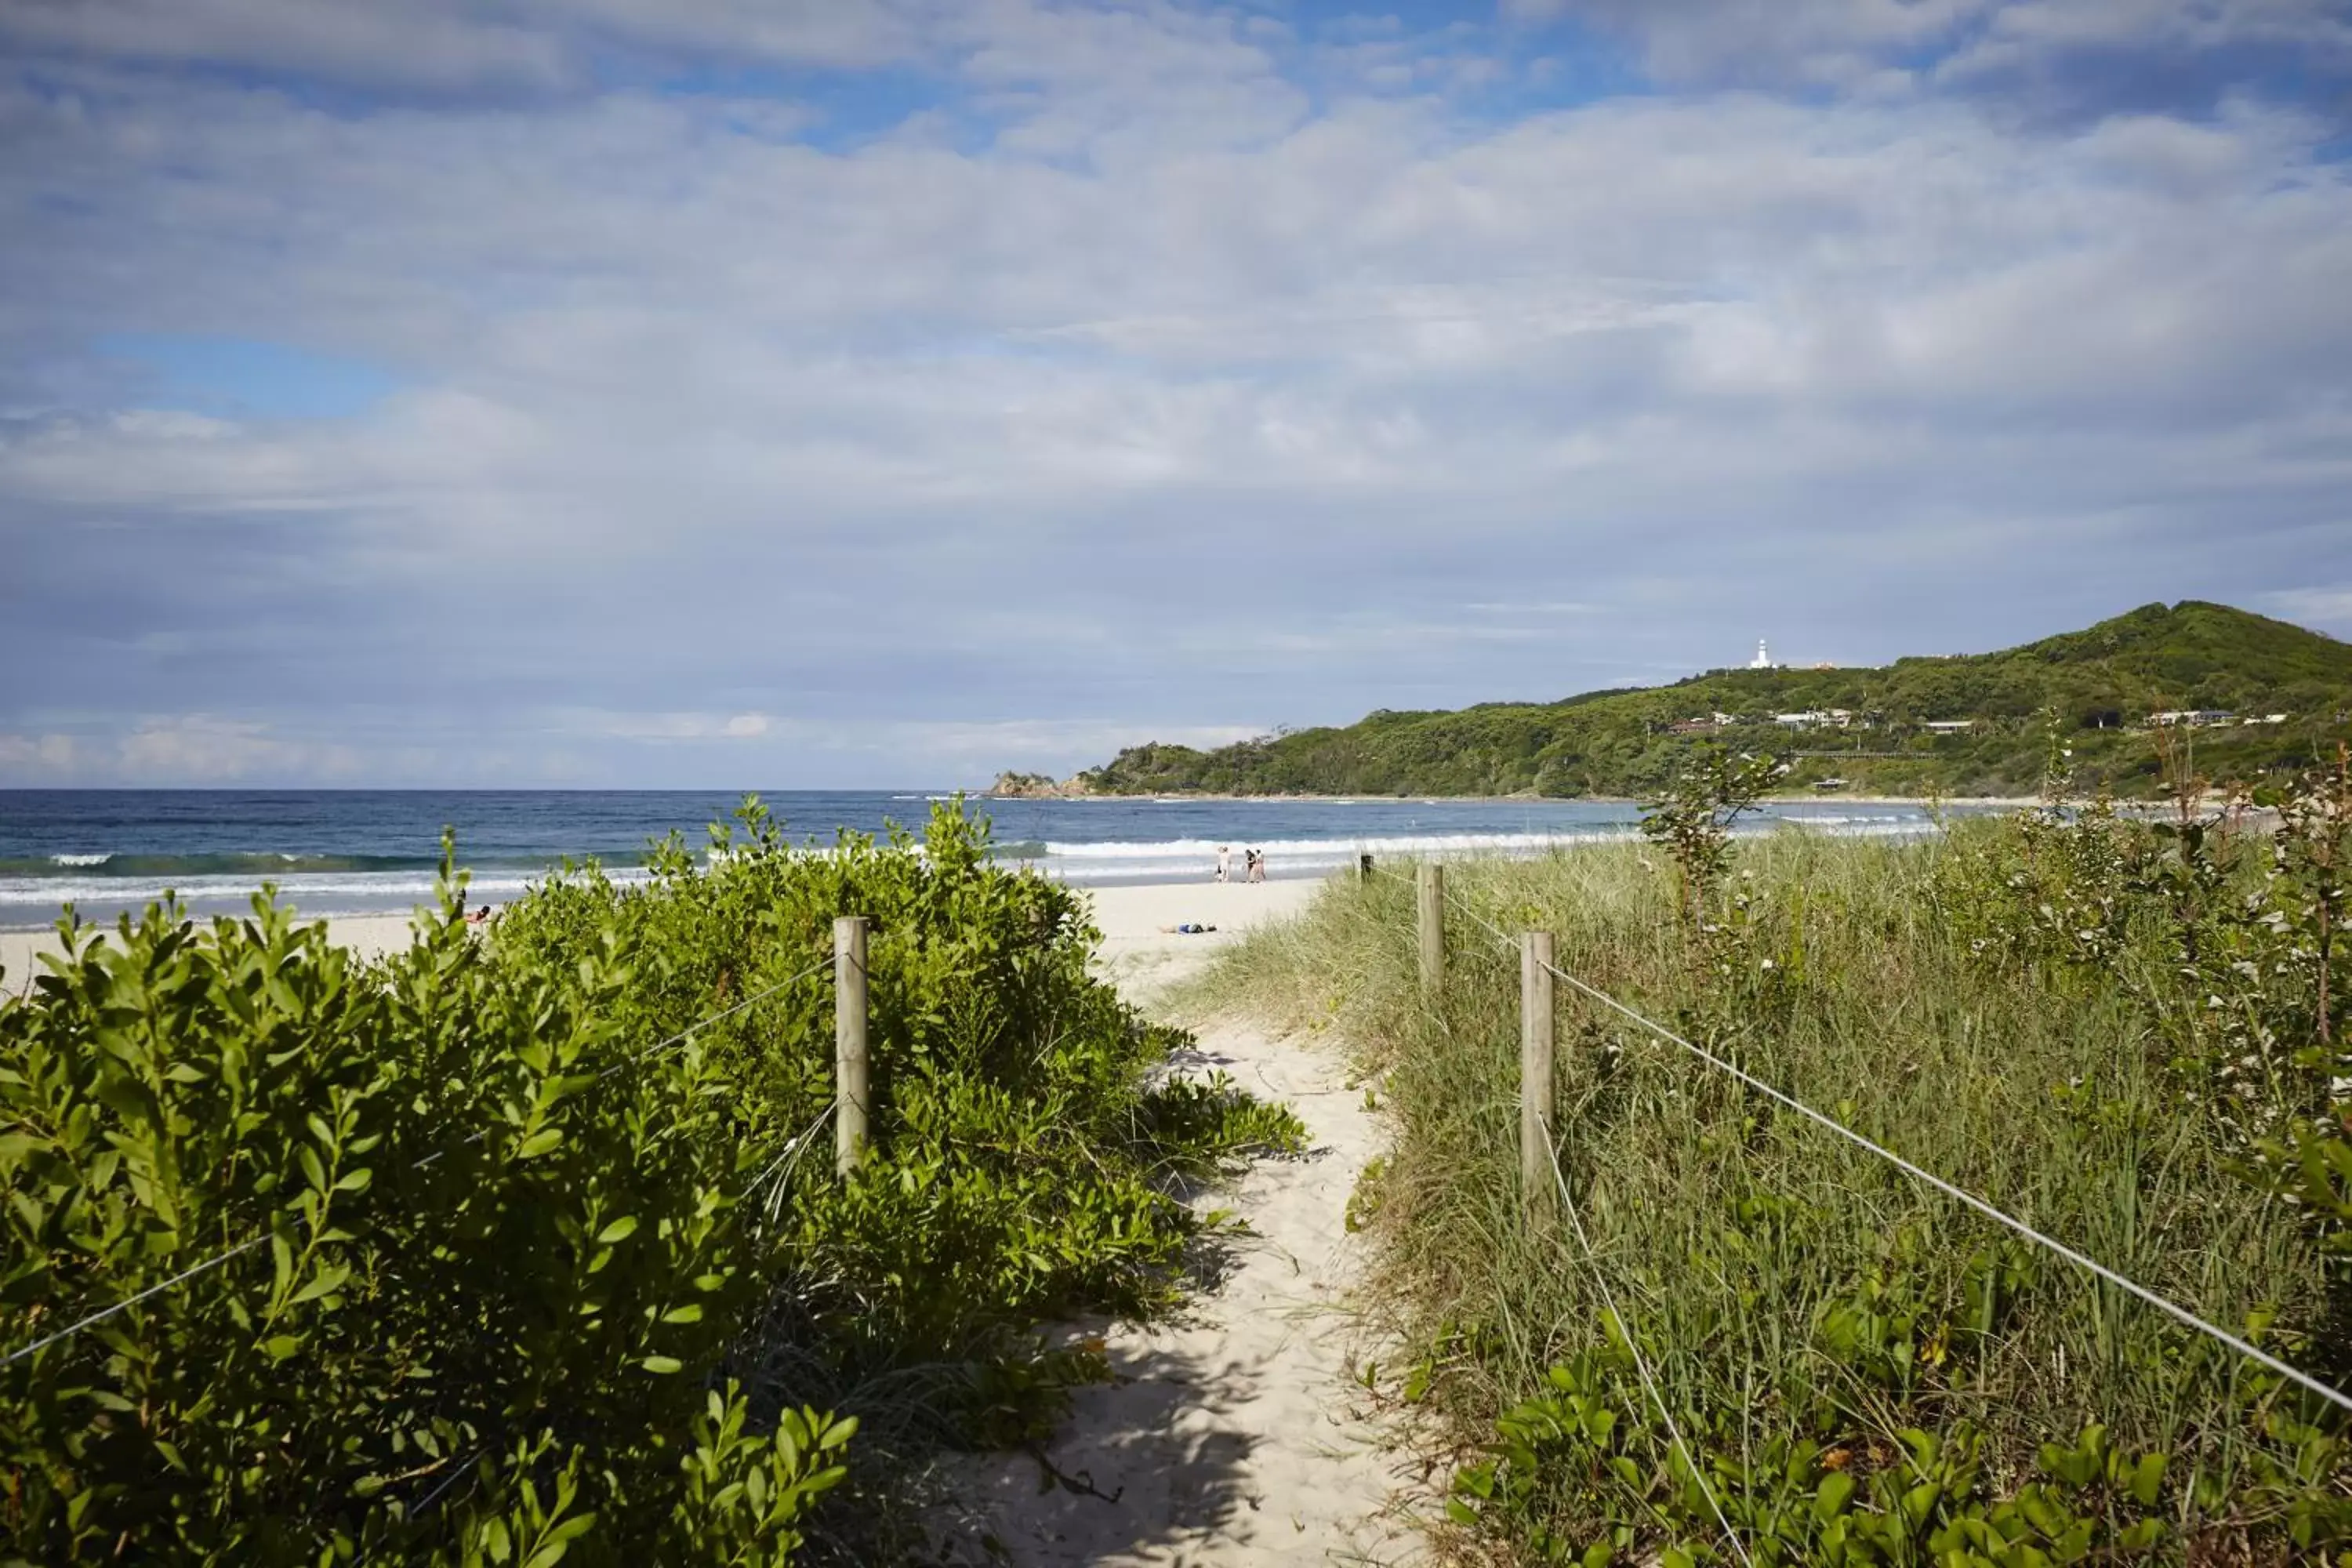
[[2111, 688]]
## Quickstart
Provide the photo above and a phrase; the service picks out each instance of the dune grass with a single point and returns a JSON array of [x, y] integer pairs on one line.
[[1869, 1372]]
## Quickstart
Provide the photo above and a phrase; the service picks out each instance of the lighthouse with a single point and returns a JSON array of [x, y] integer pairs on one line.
[[1763, 659]]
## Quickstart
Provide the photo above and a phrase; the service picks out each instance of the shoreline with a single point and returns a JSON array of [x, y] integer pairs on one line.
[[1133, 950], [1188, 796], [1091, 867]]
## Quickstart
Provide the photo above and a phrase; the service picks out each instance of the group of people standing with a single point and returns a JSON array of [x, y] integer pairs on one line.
[[1253, 864]]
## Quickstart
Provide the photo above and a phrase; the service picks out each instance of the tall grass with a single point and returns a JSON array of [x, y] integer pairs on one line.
[[1833, 1336]]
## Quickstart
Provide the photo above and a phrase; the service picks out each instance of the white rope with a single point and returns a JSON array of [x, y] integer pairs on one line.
[[457, 1471], [213, 1262], [2301, 1379], [701, 1023], [2305, 1380], [100, 1316], [789, 1156], [1633, 1345]]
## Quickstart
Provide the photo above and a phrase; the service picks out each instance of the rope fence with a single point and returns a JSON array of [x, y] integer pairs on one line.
[[1433, 897], [1634, 1346]]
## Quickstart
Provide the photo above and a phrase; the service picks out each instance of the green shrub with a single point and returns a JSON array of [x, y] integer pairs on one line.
[[505, 1260]]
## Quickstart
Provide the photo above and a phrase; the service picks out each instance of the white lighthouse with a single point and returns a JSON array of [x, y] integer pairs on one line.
[[1763, 659]]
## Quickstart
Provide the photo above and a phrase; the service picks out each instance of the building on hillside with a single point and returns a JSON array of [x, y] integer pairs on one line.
[[2194, 717], [1702, 723], [1816, 719], [1949, 726]]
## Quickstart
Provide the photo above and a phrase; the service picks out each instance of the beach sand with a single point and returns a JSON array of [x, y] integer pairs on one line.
[[1135, 953], [370, 936], [1143, 961]]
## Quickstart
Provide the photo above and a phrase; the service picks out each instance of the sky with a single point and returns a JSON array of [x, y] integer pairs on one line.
[[873, 393]]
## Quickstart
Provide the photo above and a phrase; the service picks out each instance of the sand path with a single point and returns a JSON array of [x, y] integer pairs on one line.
[[1234, 1437]]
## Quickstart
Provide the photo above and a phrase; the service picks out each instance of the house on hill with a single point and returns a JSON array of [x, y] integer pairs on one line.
[[1703, 724]]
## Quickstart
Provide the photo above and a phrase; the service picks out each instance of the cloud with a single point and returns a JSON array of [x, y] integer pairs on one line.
[[1148, 374], [2329, 609], [2068, 61], [1819, 42], [425, 44], [40, 758], [205, 748]]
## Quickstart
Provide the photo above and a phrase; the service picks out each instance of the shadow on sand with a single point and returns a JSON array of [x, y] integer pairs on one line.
[[1149, 1468]]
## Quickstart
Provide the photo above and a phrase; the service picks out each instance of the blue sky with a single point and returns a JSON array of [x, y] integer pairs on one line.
[[244, 378], [884, 392]]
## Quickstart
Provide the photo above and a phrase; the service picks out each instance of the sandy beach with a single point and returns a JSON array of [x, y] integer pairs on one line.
[[370, 936], [1142, 959], [1136, 952]]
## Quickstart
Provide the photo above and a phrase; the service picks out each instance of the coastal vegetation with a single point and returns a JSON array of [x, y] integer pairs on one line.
[[1014, 786], [1962, 725], [2130, 1031], [527, 1245]]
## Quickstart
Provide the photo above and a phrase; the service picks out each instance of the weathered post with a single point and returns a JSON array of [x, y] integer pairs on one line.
[[851, 1101], [1363, 868], [1536, 1181], [1431, 883]]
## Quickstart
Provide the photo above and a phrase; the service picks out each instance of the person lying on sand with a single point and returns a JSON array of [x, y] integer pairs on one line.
[[1187, 928]]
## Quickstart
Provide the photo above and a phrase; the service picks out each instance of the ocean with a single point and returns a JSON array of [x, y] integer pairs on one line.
[[358, 851]]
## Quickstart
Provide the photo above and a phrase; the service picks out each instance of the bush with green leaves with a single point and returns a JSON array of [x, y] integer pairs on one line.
[[487, 1253], [1692, 819]]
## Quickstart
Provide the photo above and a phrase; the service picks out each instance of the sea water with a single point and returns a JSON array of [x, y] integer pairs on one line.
[[356, 851]]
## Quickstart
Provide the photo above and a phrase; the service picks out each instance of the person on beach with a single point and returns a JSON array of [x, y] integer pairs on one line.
[[1257, 865], [1225, 862]]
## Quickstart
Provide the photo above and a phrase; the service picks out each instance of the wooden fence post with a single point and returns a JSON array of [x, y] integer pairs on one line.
[[851, 1100], [1431, 883], [1363, 868], [1536, 1180]]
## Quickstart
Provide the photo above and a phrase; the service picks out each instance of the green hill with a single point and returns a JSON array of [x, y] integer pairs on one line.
[[2104, 683]]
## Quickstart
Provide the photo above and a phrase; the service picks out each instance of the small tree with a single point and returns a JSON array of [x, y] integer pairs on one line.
[[1691, 821], [2314, 856], [2309, 1160]]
